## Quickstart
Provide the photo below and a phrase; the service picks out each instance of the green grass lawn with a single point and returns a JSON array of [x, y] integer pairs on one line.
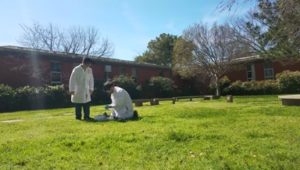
[[252, 133]]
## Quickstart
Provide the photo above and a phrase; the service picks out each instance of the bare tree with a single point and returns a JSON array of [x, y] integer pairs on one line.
[[40, 37], [272, 30], [75, 40], [231, 4], [212, 50]]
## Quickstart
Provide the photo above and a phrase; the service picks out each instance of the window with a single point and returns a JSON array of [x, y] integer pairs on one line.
[[55, 78], [250, 72], [134, 74], [122, 70], [55, 73], [107, 71], [268, 71], [76, 64], [161, 73]]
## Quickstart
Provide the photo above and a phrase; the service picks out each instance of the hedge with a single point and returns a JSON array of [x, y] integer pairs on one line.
[[286, 82], [289, 82], [25, 98], [252, 88]]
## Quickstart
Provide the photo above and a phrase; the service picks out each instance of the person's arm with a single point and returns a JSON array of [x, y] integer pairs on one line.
[[91, 82], [108, 106], [117, 100], [72, 82]]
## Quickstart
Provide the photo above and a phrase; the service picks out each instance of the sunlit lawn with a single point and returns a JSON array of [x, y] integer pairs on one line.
[[251, 133]]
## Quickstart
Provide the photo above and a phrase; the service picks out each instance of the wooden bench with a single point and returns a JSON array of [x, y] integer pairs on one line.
[[208, 97], [139, 102], [154, 102], [290, 100], [229, 98], [188, 97]]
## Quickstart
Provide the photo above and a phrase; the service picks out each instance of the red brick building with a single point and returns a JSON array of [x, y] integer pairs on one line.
[[23, 66], [258, 68]]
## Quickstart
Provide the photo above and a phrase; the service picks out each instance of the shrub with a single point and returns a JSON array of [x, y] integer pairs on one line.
[[41, 97], [289, 82], [270, 87], [235, 88], [99, 96], [7, 95], [252, 88], [129, 84], [28, 98], [224, 82], [24, 98], [159, 87], [55, 96]]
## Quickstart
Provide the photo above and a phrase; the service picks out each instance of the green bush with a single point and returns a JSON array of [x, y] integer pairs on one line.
[[235, 89], [7, 95], [41, 97], [224, 82], [159, 87], [55, 96], [129, 84], [252, 88], [289, 82], [99, 95], [26, 98], [286, 82]]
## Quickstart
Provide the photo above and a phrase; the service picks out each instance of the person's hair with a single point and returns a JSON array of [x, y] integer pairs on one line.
[[87, 60], [108, 84]]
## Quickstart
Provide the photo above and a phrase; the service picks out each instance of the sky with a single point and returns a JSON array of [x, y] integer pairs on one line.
[[128, 24]]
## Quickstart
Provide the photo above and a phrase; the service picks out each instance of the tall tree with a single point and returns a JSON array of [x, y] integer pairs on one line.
[[41, 37], [182, 58], [273, 28], [206, 50], [76, 40], [159, 51]]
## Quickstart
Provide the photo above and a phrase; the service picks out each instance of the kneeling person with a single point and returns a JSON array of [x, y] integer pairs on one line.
[[121, 102]]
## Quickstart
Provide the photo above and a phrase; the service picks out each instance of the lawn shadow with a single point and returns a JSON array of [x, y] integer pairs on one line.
[[92, 120]]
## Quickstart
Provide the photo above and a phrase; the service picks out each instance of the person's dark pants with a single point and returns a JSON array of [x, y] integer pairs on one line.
[[86, 110]]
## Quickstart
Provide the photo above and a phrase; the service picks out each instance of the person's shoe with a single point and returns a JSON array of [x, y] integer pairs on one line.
[[88, 119], [78, 118], [105, 114], [135, 115]]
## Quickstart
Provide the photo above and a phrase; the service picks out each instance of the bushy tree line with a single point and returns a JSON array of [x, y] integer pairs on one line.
[[75, 40], [271, 30], [286, 82], [27, 98]]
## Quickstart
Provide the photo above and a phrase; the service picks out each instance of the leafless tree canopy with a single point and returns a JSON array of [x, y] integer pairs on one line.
[[272, 30], [213, 49], [75, 40], [287, 6], [230, 4]]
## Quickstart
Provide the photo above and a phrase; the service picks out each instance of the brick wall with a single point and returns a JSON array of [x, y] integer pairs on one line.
[[20, 68]]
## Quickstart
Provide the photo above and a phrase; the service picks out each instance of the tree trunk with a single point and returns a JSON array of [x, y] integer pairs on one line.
[[217, 86]]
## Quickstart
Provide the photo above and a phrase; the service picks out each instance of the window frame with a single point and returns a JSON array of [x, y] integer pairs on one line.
[[268, 68], [54, 71]]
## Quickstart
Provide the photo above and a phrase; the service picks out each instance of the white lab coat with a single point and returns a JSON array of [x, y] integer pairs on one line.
[[81, 82], [121, 104]]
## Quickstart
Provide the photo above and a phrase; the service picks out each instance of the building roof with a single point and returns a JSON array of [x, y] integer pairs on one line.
[[65, 55], [247, 59]]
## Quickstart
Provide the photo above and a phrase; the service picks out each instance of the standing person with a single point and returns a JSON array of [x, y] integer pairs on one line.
[[121, 102], [81, 87]]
